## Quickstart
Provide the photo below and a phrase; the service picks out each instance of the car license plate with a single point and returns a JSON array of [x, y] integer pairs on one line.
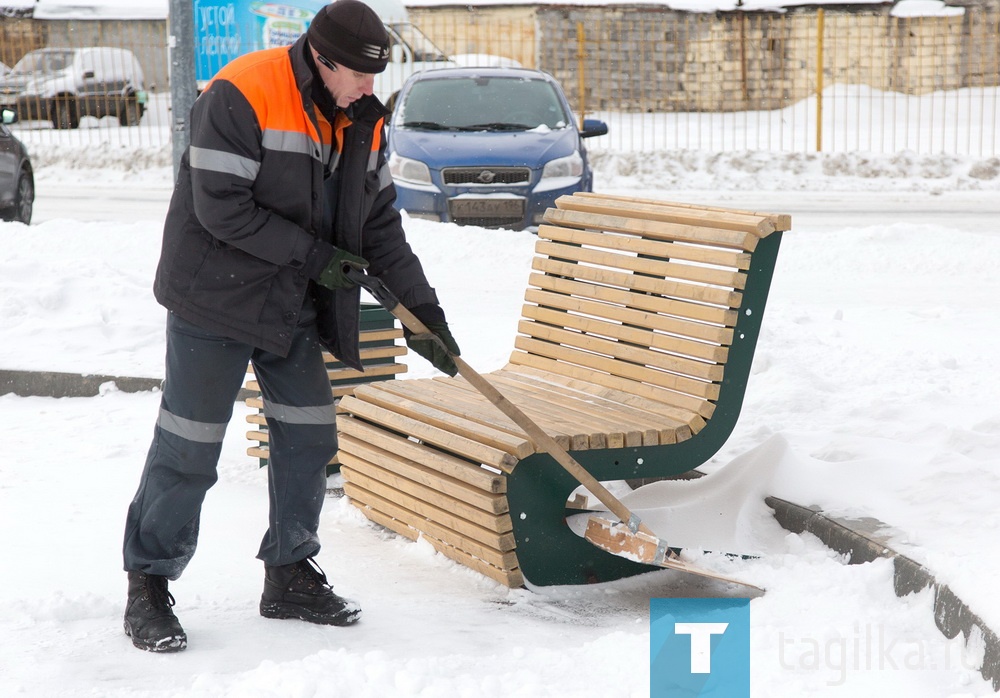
[[486, 208]]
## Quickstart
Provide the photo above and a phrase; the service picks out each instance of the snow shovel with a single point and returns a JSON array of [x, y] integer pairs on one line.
[[628, 537]]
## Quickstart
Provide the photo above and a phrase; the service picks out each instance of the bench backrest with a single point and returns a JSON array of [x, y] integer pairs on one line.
[[639, 296]]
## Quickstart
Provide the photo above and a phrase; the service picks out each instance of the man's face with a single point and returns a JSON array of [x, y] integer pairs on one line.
[[346, 85]]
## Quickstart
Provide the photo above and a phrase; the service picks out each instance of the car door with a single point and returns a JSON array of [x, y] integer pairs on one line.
[[8, 167]]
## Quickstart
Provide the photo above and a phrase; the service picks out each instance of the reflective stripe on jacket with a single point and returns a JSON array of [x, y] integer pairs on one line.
[[248, 205]]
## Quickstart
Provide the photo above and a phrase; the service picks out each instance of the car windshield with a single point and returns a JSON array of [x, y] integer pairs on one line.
[[482, 104], [42, 62]]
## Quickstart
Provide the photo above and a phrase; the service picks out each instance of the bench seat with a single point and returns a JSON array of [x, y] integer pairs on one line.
[[633, 351]]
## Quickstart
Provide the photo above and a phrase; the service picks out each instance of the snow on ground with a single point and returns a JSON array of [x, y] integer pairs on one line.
[[873, 393]]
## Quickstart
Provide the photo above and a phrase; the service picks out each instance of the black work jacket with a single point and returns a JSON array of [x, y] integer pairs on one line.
[[248, 206]]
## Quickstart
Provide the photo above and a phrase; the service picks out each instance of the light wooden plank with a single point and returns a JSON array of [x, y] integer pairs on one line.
[[646, 284], [671, 249], [258, 436], [691, 410], [493, 503], [597, 429], [628, 332], [654, 426], [343, 374], [641, 316], [654, 230], [467, 550], [437, 393], [486, 536], [445, 463], [617, 431], [706, 321], [495, 545], [643, 265], [566, 432], [477, 407], [780, 221], [396, 488], [759, 226], [617, 358], [425, 413]]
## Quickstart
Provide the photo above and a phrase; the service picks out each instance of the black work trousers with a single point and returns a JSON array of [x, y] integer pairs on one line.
[[204, 373]]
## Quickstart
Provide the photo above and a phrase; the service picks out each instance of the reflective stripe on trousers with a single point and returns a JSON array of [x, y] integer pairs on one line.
[[204, 373]]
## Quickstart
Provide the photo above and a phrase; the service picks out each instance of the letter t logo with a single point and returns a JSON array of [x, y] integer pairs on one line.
[[701, 643]]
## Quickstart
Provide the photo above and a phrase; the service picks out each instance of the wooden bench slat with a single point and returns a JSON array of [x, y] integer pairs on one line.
[[780, 221], [344, 374], [440, 537], [502, 567], [700, 321], [433, 435], [693, 411], [516, 445], [500, 540], [493, 503], [459, 397], [598, 431], [643, 265], [758, 226], [654, 230], [654, 427], [387, 483], [608, 423], [555, 423], [630, 333], [446, 464], [664, 329], [671, 249], [646, 284], [684, 375]]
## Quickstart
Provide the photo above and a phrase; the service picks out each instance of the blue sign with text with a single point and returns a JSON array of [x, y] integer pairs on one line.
[[225, 30], [699, 647]]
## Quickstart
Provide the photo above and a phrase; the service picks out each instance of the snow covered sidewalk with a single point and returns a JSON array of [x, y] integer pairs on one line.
[[875, 365]]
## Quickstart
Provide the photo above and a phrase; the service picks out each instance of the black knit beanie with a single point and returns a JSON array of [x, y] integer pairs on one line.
[[350, 33]]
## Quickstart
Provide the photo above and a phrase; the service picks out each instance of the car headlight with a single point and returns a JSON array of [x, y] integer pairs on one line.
[[569, 166], [409, 170]]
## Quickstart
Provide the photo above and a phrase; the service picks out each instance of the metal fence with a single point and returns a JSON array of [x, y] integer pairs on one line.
[[801, 81]]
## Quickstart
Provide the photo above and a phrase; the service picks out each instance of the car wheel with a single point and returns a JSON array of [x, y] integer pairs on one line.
[[63, 113], [130, 111], [24, 200]]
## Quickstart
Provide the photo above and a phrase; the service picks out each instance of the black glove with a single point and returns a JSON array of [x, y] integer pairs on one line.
[[426, 345], [325, 265]]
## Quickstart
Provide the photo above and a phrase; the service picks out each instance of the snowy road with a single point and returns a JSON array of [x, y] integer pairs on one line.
[[974, 211]]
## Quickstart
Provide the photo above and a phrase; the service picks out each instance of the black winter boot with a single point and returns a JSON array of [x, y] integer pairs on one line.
[[149, 620], [300, 590]]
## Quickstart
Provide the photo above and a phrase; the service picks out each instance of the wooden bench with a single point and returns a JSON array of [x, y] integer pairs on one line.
[[634, 348], [379, 357]]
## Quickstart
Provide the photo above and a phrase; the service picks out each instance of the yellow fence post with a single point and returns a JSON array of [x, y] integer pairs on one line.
[[819, 80], [581, 54]]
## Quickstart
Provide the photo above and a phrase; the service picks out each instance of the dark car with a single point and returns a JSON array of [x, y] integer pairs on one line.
[[17, 180], [487, 146]]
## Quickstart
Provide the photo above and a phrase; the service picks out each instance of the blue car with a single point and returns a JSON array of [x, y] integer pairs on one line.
[[492, 147]]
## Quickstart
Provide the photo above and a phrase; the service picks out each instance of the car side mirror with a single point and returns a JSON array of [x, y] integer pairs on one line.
[[593, 127], [9, 116], [88, 74]]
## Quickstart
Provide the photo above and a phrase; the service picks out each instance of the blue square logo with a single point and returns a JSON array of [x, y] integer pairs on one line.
[[699, 648]]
